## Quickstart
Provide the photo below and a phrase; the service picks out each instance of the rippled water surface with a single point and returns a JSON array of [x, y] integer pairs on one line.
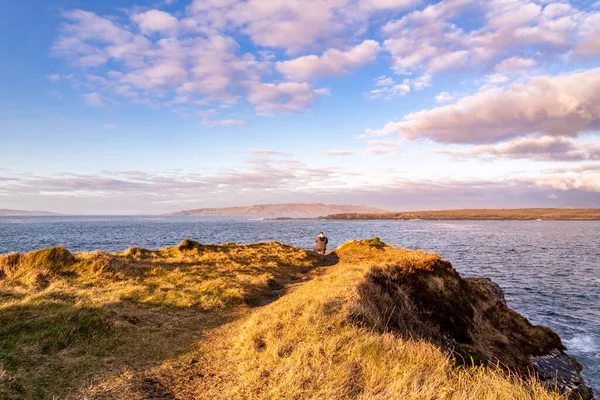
[[549, 270]]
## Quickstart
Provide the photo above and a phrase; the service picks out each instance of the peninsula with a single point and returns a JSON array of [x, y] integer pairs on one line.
[[23, 213], [292, 210], [578, 214], [266, 321]]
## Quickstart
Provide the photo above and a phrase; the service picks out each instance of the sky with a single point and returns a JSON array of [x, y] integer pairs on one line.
[[143, 107]]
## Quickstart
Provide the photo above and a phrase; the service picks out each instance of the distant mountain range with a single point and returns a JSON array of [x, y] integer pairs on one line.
[[18, 213], [292, 210]]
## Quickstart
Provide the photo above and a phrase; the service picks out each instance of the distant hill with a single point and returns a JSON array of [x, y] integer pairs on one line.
[[294, 210], [19, 213], [481, 214]]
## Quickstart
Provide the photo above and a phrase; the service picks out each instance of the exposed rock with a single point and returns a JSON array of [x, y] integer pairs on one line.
[[469, 317], [557, 370]]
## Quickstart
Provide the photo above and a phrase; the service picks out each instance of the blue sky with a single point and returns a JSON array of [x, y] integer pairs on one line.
[[132, 107]]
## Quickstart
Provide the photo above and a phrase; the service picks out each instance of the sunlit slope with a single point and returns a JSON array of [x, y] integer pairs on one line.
[[70, 319], [360, 331]]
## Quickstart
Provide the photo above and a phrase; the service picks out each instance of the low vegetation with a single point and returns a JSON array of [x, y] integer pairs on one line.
[[182, 323], [66, 319], [583, 214]]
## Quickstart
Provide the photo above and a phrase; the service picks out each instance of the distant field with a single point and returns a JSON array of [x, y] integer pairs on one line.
[[580, 214]]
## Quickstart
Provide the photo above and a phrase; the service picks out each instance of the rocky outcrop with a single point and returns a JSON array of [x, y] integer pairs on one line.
[[469, 317]]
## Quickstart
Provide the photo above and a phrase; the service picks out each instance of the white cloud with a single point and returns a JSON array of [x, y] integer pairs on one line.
[[383, 148], [207, 117], [292, 25], [266, 152], [339, 153], [232, 122], [191, 58], [156, 21], [427, 41], [157, 76], [514, 64], [277, 180], [589, 37], [333, 62], [386, 88], [561, 105], [195, 69], [110, 126], [272, 98], [444, 97], [384, 81], [541, 148], [93, 99]]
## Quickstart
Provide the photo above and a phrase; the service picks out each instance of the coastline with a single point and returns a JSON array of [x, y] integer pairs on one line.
[[522, 214], [264, 295]]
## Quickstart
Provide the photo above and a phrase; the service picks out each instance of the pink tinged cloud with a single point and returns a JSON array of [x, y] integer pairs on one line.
[[514, 64], [271, 98], [544, 148], [589, 37], [339, 153], [562, 105], [292, 25], [331, 63], [156, 21]]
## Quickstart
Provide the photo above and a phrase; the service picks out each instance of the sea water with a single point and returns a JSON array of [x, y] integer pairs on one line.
[[549, 270]]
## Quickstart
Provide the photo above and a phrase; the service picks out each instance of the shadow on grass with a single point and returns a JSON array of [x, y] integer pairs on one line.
[[54, 342]]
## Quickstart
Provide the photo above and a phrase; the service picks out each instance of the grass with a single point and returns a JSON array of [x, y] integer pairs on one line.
[[70, 319], [320, 341]]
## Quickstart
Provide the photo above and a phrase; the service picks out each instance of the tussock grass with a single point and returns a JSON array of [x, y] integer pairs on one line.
[[36, 267], [312, 344], [311, 347], [69, 318]]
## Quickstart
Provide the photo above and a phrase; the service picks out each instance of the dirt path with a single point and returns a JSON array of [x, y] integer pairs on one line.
[[196, 373]]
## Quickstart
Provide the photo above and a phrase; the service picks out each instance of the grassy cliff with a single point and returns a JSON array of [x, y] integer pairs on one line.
[[260, 321]]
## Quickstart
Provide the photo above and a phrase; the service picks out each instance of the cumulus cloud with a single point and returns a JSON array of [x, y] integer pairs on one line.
[[561, 105], [386, 88], [589, 37], [156, 21], [177, 63], [428, 41], [207, 118], [292, 25], [544, 148], [272, 98], [514, 64], [444, 97], [332, 62]]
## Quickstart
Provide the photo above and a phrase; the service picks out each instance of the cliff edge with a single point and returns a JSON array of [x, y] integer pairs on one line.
[[265, 321]]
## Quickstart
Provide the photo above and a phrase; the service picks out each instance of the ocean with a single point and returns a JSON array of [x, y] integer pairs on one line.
[[549, 270]]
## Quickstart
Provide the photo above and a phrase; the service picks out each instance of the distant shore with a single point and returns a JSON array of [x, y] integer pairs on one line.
[[521, 214]]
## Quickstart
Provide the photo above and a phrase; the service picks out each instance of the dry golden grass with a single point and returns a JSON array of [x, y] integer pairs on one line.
[[310, 345], [70, 319]]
